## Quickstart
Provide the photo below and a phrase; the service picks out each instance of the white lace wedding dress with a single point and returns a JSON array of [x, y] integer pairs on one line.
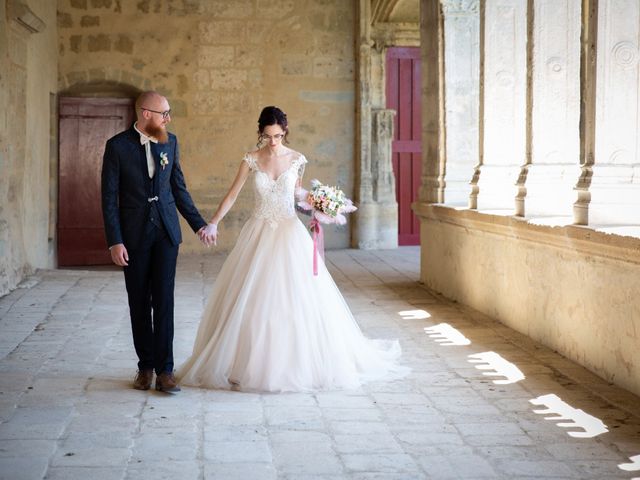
[[271, 325]]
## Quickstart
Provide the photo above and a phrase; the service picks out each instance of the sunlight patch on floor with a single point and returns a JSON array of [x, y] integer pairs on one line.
[[414, 314], [591, 425], [496, 365], [633, 466], [446, 335]]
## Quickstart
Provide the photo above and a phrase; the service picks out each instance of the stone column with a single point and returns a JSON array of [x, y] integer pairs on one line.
[[504, 123], [384, 189], [364, 229], [384, 183], [555, 110], [378, 218], [462, 82], [376, 221], [433, 116], [588, 55], [615, 183]]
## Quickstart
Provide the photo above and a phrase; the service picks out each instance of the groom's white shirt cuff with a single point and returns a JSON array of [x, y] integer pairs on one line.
[[144, 140]]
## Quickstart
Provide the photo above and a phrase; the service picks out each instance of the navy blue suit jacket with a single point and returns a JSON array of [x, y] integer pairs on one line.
[[126, 189]]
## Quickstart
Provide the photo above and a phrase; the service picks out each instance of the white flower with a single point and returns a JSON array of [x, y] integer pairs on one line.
[[164, 161]]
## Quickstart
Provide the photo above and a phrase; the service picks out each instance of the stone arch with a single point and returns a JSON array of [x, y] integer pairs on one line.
[[395, 11], [94, 95], [103, 82]]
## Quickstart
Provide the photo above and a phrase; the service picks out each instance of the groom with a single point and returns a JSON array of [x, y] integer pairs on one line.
[[142, 185]]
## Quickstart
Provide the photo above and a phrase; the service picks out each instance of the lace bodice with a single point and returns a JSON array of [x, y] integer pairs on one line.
[[274, 199]]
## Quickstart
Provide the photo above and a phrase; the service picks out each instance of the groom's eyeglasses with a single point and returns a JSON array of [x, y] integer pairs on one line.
[[164, 114]]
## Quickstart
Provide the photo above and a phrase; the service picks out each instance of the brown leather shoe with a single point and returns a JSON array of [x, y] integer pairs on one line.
[[143, 380], [166, 382]]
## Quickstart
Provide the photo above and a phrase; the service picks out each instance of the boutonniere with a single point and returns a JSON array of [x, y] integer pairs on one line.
[[164, 161]]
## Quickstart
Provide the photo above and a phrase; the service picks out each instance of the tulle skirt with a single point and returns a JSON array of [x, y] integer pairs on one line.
[[271, 325]]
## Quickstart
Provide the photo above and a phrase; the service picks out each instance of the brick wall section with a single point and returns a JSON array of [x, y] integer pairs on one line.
[[219, 62]]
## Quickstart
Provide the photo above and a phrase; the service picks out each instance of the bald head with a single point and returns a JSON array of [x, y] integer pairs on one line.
[[151, 100], [152, 112]]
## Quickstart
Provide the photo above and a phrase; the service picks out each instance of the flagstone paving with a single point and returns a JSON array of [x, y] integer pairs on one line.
[[67, 409]]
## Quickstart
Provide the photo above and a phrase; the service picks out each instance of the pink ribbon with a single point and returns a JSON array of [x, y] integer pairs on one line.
[[318, 243]]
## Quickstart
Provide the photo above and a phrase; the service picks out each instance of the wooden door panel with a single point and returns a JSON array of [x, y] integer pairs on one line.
[[403, 93], [416, 99], [405, 130], [404, 192], [417, 181], [85, 126]]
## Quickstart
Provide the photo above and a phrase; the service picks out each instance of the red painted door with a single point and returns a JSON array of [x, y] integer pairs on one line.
[[85, 125], [403, 91]]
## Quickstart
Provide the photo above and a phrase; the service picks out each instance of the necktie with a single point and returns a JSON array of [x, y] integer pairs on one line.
[[151, 166]]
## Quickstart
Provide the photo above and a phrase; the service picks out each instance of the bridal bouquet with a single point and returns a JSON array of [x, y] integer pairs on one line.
[[327, 205]]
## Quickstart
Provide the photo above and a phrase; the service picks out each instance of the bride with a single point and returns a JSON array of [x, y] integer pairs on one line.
[[269, 324]]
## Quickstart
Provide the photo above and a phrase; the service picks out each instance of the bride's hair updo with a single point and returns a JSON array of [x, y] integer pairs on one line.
[[273, 116]]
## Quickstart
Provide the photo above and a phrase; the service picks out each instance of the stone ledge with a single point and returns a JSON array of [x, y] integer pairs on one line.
[[574, 238]]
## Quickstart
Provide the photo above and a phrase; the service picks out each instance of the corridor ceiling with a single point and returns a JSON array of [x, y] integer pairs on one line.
[[396, 11]]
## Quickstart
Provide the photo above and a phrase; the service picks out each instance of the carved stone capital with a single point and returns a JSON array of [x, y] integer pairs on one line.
[[22, 15], [383, 124], [432, 189], [381, 165], [460, 7]]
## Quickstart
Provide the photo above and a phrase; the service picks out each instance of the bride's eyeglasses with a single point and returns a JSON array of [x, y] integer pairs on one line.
[[277, 136]]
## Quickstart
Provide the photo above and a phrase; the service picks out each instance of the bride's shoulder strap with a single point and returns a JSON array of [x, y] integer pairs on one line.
[[300, 159], [299, 163], [250, 158]]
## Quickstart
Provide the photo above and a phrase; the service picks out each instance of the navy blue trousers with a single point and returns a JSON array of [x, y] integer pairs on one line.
[[150, 280]]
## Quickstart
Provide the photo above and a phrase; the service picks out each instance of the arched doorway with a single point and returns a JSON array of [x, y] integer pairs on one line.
[[85, 124], [386, 26]]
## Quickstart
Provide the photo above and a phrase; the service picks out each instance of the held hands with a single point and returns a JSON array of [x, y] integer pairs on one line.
[[209, 234]]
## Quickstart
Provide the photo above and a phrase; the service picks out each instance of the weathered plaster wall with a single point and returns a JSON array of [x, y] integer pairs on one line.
[[219, 62], [28, 72], [569, 288]]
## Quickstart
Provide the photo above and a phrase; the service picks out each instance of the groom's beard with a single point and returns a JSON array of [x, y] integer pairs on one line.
[[159, 133]]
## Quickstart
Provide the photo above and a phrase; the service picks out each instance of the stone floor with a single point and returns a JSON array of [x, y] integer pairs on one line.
[[67, 410]]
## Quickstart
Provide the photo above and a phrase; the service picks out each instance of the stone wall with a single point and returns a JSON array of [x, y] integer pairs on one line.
[[569, 288], [219, 62], [28, 75]]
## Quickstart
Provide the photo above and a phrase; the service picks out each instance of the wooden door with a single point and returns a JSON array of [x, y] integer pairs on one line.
[[403, 91], [85, 125]]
